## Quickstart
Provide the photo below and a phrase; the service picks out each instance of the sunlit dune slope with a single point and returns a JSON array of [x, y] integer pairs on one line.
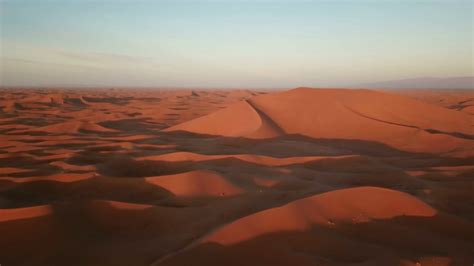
[[196, 183]]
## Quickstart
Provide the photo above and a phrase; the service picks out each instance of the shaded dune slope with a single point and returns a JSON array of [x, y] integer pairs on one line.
[[52, 234]]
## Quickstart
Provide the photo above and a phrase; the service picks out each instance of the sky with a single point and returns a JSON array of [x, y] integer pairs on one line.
[[225, 43]]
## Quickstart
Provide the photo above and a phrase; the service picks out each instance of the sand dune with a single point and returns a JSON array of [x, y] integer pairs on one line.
[[322, 229], [400, 122], [354, 205], [196, 183], [238, 120], [72, 127], [295, 232], [63, 229], [235, 177]]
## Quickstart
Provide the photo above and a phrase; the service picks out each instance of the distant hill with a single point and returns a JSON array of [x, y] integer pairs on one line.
[[424, 83]]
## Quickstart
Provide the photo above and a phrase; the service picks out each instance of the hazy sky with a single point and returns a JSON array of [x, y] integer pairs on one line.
[[225, 43]]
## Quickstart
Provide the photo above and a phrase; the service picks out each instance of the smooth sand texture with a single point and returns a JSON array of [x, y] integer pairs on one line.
[[236, 177]]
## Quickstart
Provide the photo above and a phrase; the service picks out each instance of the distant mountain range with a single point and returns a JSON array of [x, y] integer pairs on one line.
[[424, 83]]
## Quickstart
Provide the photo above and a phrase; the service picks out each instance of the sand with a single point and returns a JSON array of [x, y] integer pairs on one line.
[[236, 177], [399, 122]]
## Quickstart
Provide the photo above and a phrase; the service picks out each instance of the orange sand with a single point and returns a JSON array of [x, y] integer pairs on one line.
[[236, 177]]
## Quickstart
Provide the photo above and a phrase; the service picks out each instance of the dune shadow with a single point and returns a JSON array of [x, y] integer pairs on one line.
[[136, 125], [107, 233], [124, 167], [16, 195]]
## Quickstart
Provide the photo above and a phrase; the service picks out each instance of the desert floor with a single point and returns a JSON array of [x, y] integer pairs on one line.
[[236, 177]]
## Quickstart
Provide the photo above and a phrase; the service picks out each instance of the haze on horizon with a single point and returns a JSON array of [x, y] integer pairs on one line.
[[232, 43]]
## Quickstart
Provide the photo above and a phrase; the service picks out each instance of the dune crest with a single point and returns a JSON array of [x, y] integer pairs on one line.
[[251, 158], [239, 120]]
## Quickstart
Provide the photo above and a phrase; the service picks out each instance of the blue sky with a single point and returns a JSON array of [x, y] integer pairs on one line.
[[232, 43]]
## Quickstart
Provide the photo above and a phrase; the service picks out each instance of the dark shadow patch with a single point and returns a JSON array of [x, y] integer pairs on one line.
[[45, 191], [123, 167], [112, 100], [75, 102], [132, 125]]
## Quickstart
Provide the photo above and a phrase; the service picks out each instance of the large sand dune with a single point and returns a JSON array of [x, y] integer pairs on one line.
[[398, 121], [236, 177], [304, 227], [354, 205]]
